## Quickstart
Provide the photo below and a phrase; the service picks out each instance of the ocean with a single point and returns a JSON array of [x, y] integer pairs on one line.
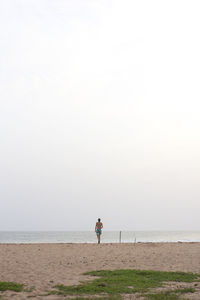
[[29, 237]]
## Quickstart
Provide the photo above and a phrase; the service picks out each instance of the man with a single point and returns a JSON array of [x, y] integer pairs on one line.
[[98, 229]]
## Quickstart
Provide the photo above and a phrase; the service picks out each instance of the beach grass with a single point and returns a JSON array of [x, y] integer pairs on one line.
[[185, 290], [170, 295], [163, 296], [11, 286], [119, 282], [108, 297]]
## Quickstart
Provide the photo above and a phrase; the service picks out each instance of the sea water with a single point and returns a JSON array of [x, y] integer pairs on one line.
[[90, 237]]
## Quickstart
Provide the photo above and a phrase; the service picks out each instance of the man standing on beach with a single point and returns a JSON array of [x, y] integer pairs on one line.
[[98, 229]]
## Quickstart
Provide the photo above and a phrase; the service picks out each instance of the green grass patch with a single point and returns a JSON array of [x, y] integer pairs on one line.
[[125, 282], [109, 297], [163, 296], [11, 286], [185, 290], [170, 295]]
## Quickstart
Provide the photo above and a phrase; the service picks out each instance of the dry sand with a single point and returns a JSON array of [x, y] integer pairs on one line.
[[43, 265]]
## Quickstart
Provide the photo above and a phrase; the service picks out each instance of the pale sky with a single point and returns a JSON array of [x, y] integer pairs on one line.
[[99, 114]]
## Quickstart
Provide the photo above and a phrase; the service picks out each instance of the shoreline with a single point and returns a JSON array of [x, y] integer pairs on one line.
[[89, 237], [102, 243]]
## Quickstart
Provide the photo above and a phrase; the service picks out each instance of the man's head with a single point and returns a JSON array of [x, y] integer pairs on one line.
[[99, 220]]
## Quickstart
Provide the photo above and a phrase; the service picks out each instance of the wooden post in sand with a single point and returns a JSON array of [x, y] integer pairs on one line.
[[120, 236]]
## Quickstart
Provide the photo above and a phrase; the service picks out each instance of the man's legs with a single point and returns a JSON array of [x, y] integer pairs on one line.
[[98, 237]]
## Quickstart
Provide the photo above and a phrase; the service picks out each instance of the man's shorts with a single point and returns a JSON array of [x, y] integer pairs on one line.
[[98, 231]]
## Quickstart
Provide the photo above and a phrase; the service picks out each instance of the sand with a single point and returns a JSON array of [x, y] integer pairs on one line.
[[43, 265]]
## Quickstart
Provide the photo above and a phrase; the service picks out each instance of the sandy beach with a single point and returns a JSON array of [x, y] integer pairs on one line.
[[44, 265]]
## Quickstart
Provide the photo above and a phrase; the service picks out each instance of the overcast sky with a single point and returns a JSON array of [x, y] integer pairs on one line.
[[99, 114]]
